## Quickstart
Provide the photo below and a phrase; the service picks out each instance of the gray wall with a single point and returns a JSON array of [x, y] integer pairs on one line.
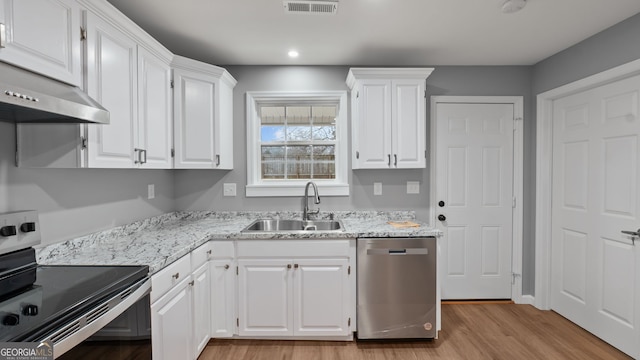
[[74, 202], [201, 189]]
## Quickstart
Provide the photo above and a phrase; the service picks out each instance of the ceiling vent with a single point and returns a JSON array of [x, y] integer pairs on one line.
[[310, 7]]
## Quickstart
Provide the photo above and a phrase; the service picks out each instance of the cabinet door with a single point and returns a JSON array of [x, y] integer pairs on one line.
[[265, 295], [408, 124], [111, 80], [171, 325], [201, 308], [43, 36], [223, 300], [155, 128], [194, 108], [372, 127], [321, 297]]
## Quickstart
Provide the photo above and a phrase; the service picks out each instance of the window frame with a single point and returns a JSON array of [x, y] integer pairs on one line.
[[256, 187]]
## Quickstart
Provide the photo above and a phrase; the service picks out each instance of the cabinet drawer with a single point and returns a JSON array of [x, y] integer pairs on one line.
[[293, 248], [222, 249], [168, 277], [200, 255]]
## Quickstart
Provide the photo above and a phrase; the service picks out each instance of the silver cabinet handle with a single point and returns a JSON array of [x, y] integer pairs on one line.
[[3, 36], [136, 155], [395, 160], [217, 160], [389, 159], [143, 152]]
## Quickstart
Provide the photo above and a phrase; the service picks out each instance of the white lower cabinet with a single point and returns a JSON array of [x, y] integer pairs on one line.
[[201, 307], [180, 318], [171, 324], [306, 294], [223, 297]]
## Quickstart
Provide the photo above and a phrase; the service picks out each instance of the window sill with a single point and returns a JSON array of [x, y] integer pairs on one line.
[[266, 190]]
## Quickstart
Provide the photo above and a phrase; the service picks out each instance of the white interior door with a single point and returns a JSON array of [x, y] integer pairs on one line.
[[595, 269], [474, 192]]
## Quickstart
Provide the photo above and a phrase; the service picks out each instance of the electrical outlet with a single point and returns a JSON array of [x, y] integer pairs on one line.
[[413, 187], [229, 189], [377, 188], [151, 191]]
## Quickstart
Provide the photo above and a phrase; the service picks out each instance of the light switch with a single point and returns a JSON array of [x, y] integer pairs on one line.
[[151, 191], [413, 187], [377, 188], [229, 189]]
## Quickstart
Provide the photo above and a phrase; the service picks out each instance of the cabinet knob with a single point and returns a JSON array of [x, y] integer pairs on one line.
[[226, 267], [176, 275], [295, 266], [442, 217], [288, 266], [209, 252], [192, 282]]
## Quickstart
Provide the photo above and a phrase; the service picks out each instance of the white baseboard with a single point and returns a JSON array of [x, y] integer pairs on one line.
[[525, 299]]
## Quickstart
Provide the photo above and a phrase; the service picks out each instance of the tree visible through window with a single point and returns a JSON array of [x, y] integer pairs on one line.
[[298, 141]]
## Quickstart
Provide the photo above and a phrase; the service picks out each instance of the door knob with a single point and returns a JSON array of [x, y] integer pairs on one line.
[[441, 203], [442, 217], [632, 233]]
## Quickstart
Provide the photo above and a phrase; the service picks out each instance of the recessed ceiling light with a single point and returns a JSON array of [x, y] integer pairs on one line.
[[293, 54], [511, 6]]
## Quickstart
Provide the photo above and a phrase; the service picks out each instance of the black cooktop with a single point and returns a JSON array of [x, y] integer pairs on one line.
[[60, 294]]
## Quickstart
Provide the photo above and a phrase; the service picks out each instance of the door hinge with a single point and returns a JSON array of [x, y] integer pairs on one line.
[[349, 270], [171, 84], [357, 154], [514, 276], [83, 34], [349, 322], [357, 94], [173, 153], [238, 322], [83, 142], [237, 271], [425, 94], [513, 203]]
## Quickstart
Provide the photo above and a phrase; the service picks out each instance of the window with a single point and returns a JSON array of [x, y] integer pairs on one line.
[[293, 138]]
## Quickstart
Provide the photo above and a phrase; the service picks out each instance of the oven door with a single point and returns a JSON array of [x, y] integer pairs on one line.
[[121, 331]]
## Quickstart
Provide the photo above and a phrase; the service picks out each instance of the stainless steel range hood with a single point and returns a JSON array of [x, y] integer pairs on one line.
[[32, 98]]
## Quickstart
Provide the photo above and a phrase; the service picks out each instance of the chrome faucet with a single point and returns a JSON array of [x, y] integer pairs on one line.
[[306, 213]]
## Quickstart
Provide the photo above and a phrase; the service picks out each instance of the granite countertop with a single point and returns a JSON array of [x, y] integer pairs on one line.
[[161, 240]]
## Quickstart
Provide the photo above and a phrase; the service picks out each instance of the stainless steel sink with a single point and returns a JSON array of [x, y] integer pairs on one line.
[[274, 225]]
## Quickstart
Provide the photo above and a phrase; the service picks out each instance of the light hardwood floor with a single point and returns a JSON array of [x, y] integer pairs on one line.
[[470, 331]]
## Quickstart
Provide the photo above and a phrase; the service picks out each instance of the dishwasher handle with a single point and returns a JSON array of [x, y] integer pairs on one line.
[[407, 251]]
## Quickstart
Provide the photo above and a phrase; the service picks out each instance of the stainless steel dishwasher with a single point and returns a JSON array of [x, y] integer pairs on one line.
[[396, 288]]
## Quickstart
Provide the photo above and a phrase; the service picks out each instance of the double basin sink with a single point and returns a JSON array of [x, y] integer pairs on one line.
[[276, 225]]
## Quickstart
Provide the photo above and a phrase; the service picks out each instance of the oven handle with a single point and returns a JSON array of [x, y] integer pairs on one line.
[[65, 338]]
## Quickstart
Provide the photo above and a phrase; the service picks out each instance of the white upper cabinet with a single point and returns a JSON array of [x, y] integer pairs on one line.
[[388, 117], [155, 105], [131, 78], [203, 115], [43, 36], [112, 81]]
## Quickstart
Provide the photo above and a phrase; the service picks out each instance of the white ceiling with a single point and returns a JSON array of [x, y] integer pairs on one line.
[[374, 32]]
